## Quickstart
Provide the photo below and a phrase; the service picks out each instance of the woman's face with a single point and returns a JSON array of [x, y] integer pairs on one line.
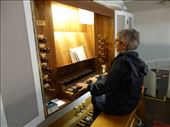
[[120, 45]]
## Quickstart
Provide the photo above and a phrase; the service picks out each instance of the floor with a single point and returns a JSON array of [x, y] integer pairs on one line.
[[157, 110]]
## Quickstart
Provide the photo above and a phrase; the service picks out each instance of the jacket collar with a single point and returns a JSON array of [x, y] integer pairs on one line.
[[129, 53]]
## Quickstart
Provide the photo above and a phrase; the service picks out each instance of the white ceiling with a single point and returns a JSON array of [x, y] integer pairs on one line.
[[142, 5], [113, 4], [135, 5]]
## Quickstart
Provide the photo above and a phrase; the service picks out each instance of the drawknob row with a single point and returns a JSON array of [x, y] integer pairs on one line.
[[102, 49], [44, 63]]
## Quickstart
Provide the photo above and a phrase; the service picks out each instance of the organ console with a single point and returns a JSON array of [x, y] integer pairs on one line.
[[61, 31]]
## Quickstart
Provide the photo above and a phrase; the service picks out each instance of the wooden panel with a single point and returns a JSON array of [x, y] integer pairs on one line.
[[141, 111], [50, 36], [65, 41], [69, 33], [65, 18], [72, 117], [104, 26], [42, 15], [134, 122], [42, 12], [105, 120]]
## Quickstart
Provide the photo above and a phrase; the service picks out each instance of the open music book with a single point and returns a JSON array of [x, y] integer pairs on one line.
[[77, 54]]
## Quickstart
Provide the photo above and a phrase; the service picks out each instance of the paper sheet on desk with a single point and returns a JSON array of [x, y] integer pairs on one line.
[[54, 105], [58, 102]]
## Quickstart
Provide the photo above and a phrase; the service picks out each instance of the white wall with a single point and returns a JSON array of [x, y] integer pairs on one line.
[[20, 83], [154, 28]]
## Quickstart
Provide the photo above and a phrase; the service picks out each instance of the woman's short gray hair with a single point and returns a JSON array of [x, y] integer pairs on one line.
[[130, 36]]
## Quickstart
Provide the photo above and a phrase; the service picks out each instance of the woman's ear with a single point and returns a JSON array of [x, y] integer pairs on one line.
[[124, 45]]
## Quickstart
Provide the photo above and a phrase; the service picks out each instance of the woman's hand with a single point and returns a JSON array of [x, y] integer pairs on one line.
[[93, 79], [82, 85]]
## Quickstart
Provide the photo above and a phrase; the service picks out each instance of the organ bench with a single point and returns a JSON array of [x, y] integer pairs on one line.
[[130, 120]]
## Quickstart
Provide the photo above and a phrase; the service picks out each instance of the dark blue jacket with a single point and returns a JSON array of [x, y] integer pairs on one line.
[[122, 86]]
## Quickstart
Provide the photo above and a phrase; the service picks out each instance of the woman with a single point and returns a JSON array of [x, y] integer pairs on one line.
[[120, 91]]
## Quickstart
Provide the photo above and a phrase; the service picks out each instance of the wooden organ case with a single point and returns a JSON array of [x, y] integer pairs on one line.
[[70, 49]]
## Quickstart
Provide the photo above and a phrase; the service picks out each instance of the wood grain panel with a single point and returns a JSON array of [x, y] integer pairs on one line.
[[42, 12], [69, 33], [104, 26], [70, 118], [105, 120], [65, 18], [66, 40]]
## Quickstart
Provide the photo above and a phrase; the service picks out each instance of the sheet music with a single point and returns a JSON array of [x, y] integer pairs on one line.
[[77, 54]]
